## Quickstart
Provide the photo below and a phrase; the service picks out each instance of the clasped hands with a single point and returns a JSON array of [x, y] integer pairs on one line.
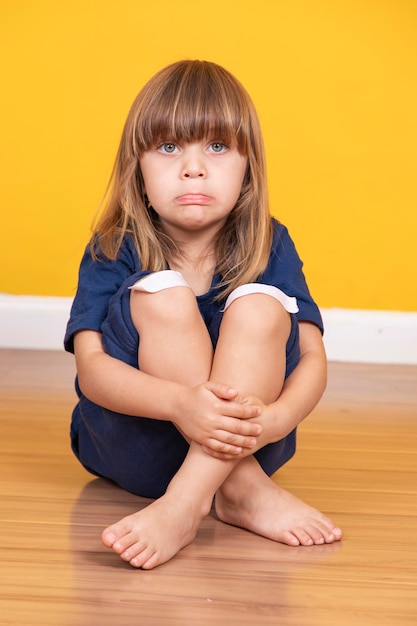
[[226, 424]]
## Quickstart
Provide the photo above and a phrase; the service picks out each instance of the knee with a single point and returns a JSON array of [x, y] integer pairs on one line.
[[259, 313], [176, 305]]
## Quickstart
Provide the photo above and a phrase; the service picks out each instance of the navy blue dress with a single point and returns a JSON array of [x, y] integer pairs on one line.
[[140, 454]]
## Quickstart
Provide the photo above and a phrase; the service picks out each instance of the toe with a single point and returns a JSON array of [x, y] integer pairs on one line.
[[337, 532], [124, 545], [108, 538], [114, 535], [133, 551], [327, 532], [143, 558], [288, 538], [151, 562], [315, 534], [296, 537], [303, 536]]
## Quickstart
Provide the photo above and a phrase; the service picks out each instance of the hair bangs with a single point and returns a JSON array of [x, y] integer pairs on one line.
[[194, 102]]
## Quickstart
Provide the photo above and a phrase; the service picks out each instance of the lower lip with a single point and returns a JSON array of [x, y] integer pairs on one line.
[[193, 199]]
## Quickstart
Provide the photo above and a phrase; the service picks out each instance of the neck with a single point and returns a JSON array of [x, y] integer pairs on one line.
[[202, 262], [197, 263], [194, 246]]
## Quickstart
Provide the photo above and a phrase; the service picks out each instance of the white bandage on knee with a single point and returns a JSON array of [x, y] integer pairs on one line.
[[159, 281], [289, 303]]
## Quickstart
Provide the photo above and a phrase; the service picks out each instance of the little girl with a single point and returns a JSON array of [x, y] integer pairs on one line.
[[198, 346]]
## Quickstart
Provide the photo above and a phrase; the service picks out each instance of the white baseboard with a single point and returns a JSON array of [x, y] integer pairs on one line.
[[370, 336], [34, 322]]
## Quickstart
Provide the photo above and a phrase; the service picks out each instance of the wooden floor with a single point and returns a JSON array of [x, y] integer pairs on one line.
[[356, 460]]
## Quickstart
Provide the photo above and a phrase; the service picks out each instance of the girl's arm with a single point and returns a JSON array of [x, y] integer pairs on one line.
[[301, 391], [206, 413], [114, 385], [304, 387]]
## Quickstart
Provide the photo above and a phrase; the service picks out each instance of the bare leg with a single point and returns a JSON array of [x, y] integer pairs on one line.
[[155, 534], [174, 342], [174, 345], [251, 356], [152, 536]]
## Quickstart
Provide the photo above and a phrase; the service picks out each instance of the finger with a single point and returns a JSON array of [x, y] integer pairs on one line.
[[239, 441], [240, 427], [234, 409], [221, 390], [230, 443], [223, 448], [219, 455]]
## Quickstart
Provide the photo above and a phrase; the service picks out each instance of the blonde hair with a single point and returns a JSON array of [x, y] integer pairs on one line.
[[185, 102]]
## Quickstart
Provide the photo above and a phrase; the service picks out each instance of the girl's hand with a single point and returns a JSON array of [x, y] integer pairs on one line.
[[212, 415], [268, 421]]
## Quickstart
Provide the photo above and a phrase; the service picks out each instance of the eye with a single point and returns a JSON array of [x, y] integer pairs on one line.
[[218, 147], [168, 148]]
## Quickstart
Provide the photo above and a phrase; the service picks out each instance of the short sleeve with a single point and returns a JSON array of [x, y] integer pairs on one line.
[[98, 280], [285, 271]]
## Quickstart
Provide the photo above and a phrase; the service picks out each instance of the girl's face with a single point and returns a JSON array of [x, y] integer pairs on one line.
[[193, 186]]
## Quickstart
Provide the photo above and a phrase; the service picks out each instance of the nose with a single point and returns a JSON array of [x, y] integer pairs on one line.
[[193, 163]]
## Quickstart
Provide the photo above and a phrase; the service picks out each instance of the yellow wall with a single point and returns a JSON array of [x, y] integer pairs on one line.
[[335, 84]]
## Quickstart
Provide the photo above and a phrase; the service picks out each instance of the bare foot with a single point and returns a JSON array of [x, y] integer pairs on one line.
[[155, 534], [269, 510]]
